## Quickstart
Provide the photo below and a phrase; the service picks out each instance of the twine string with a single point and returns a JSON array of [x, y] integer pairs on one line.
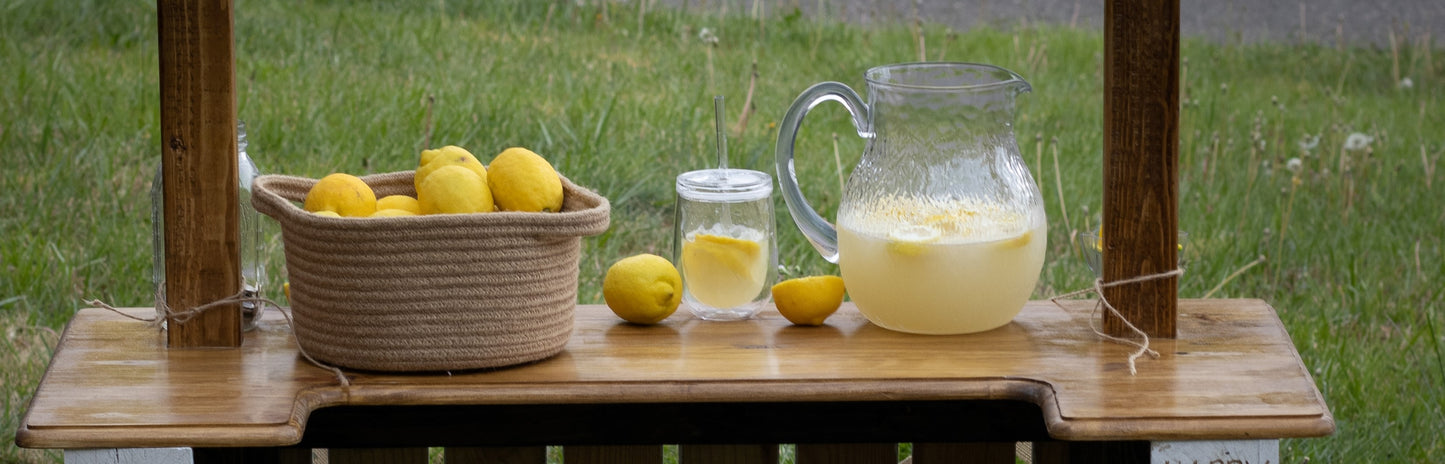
[[1098, 289], [184, 316]]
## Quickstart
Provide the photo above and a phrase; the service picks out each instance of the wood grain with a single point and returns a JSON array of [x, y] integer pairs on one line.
[[1141, 157], [727, 454], [847, 453], [496, 455], [199, 171], [1232, 373], [620, 454]]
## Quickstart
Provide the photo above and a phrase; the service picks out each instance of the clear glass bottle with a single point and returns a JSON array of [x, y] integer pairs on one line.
[[253, 269]]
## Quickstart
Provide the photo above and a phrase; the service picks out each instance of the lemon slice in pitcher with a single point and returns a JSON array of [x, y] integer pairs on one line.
[[912, 240]]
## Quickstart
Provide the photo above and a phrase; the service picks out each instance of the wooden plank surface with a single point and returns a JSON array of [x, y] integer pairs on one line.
[[198, 160], [1233, 373], [1141, 162]]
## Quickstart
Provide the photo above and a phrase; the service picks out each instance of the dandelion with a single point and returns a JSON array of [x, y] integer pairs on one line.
[[1294, 165], [1308, 142], [707, 36], [1406, 83], [1357, 141]]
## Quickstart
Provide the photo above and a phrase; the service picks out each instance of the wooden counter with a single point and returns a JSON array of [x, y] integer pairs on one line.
[[1233, 373]]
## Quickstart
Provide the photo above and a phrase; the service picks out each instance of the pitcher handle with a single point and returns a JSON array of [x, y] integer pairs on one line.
[[818, 231]]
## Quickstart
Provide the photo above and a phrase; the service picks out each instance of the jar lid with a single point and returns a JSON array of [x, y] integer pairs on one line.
[[724, 185]]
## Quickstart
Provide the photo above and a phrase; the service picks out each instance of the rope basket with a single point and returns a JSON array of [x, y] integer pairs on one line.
[[435, 292]]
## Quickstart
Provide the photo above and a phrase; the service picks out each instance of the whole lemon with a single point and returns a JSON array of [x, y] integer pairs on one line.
[[401, 202], [642, 289], [427, 156], [449, 156], [344, 194], [524, 181], [808, 300], [454, 190]]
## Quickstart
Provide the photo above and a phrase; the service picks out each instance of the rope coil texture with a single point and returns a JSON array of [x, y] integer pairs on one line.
[[431, 293]]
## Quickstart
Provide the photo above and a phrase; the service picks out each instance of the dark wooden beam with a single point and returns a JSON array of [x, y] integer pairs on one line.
[[198, 159], [1141, 162]]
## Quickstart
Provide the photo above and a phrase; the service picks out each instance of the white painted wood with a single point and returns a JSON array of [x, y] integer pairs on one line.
[[1215, 452], [129, 456]]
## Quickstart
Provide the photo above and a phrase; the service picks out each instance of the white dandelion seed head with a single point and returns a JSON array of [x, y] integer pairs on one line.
[[1406, 83], [707, 36], [1309, 142], [1357, 141], [1294, 165]]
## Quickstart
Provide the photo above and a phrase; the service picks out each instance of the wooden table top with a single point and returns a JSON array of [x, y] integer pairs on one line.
[[1233, 373]]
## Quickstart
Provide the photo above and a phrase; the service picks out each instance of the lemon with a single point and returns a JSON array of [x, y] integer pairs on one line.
[[642, 289], [401, 202], [449, 156], [392, 212], [327, 213], [344, 194], [808, 300], [723, 272], [911, 240], [524, 181], [454, 190], [427, 156]]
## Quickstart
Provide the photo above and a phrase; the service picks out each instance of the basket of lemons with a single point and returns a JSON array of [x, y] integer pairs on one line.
[[452, 266]]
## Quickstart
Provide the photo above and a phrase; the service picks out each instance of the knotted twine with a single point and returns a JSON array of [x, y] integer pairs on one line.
[[184, 316], [1098, 289]]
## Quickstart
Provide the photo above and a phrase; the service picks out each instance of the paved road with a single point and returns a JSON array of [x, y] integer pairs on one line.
[[1329, 22]]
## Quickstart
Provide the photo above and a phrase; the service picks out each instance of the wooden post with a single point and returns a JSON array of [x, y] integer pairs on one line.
[[1141, 160], [198, 162]]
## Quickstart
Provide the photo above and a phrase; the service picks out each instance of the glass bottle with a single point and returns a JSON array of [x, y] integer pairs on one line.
[[252, 245]]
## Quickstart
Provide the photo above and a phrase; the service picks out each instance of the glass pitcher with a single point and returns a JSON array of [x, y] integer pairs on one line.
[[941, 228]]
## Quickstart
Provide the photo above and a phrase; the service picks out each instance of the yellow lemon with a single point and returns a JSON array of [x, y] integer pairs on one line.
[[911, 240], [392, 212], [449, 156], [808, 300], [327, 213], [344, 194], [642, 289], [427, 156], [723, 272], [454, 190], [401, 202], [524, 181]]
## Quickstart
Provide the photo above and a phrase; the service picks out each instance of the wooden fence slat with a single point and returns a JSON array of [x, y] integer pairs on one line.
[[614, 454], [964, 453], [847, 453], [727, 454], [496, 455], [1090, 452], [251, 455], [378, 456]]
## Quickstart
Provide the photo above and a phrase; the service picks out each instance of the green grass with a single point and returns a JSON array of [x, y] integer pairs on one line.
[[621, 102]]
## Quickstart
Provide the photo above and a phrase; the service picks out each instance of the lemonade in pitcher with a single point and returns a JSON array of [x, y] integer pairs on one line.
[[939, 267]]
